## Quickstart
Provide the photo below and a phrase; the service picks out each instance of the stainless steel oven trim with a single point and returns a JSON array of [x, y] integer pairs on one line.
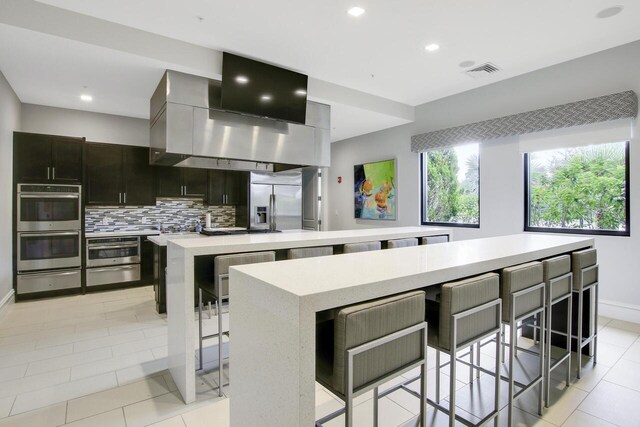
[[58, 280], [48, 225], [109, 275], [95, 243], [44, 264]]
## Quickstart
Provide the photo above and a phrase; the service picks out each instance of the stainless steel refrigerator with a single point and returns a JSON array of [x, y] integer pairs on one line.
[[276, 201]]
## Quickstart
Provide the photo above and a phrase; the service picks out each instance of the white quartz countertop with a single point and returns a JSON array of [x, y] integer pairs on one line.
[[121, 233], [162, 239], [297, 238], [429, 264]]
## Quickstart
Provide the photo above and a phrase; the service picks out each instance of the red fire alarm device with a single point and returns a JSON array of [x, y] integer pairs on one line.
[[339, 180]]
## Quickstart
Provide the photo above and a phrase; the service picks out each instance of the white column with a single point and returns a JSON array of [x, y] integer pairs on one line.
[[180, 319], [272, 356]]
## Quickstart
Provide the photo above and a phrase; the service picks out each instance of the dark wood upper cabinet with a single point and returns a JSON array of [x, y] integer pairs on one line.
[[217, 187], [47, 158], [169, 181], [66, 158], [138, 177], [194, 182], [103, 174], [237, 187], [228, 187], [118, 175], [182, 182]]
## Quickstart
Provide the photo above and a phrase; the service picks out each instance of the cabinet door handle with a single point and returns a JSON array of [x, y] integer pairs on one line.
[[48, 173], [53, 175], [185, 191], [125, 198], [119, 197]]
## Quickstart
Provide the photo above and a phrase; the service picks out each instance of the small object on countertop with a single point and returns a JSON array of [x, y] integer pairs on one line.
[[207, 220], [198, 226]]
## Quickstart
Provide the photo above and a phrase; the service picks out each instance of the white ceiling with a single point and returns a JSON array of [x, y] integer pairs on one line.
[[320, 39]]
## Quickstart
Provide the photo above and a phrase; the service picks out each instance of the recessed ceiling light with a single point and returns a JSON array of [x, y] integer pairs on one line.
[[609, 12], [432, 47], [300, 92], [243, 80], [86, 98], [355, 11], [265, 98]]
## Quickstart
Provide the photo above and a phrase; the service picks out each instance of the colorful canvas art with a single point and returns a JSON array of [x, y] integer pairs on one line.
[[375, 190]]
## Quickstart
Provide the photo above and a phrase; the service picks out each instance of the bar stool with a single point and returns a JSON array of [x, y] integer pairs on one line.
[[468, 312], [402, 243], [369, 344], [522, 291], [430, 240], [361, 247], [220, 292], [558, 282], [298, 253], [584, 265]]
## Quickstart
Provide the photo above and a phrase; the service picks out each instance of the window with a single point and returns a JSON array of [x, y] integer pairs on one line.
[[451, 186], [578, 190]]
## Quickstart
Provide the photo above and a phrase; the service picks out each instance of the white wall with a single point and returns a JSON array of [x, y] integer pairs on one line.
[[9, 121], [501, 170], [96, 127]]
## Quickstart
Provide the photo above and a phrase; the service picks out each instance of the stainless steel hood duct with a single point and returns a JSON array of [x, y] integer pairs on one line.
[[189, 129]]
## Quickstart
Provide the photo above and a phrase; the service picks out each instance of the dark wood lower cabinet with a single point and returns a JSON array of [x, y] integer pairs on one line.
[[160, 277]]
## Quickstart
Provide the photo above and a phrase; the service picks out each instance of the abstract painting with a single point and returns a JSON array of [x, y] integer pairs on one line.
[[375, 190]]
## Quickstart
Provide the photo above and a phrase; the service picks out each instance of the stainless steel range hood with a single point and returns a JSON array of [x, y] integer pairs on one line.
[[189, 129]]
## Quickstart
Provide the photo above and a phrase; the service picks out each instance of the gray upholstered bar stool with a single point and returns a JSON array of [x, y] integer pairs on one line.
[[361, 247], [220, 292], [430, 240], [468, 312], [402, 243], [369, 344], [298, 253], [584, 265], [522, 290], [558, 282]]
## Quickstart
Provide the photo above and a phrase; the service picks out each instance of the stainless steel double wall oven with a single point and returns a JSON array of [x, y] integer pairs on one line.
[[49, 236]]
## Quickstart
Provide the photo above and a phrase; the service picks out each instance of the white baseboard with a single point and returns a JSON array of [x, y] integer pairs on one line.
[[6, 300], [619, 311]]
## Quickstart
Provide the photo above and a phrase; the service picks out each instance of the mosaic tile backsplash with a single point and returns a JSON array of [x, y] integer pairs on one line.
[[172, 214]]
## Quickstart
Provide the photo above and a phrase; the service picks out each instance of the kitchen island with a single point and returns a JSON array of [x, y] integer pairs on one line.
[[272, 356], [187, 258]]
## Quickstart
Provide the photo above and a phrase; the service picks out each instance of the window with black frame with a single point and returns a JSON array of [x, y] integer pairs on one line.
[[451, 186], [582, 190]]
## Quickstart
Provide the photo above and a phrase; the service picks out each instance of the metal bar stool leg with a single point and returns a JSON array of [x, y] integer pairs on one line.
[[579, 337], [595, 323], [479, 364], [452, 383], [438, 376], [569, 325], [541, 350], [200, 327], [220, 359], [512, 339], [547, 368], [375, 407]]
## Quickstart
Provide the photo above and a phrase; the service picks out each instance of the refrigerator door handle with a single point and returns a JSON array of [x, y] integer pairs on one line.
[[274, 216]]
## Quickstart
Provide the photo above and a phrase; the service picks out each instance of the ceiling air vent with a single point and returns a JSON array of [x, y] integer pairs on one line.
[[483, 70]]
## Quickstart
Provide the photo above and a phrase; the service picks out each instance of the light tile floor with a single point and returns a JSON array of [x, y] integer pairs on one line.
[[100, 360]]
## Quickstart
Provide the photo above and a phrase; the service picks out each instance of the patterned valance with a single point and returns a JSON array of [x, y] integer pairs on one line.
[[603, 108]]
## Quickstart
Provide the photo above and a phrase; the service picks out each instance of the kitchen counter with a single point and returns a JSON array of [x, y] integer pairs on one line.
[[162, 239], [184, 259], [121, 233], [213, 245], [275, 306]]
